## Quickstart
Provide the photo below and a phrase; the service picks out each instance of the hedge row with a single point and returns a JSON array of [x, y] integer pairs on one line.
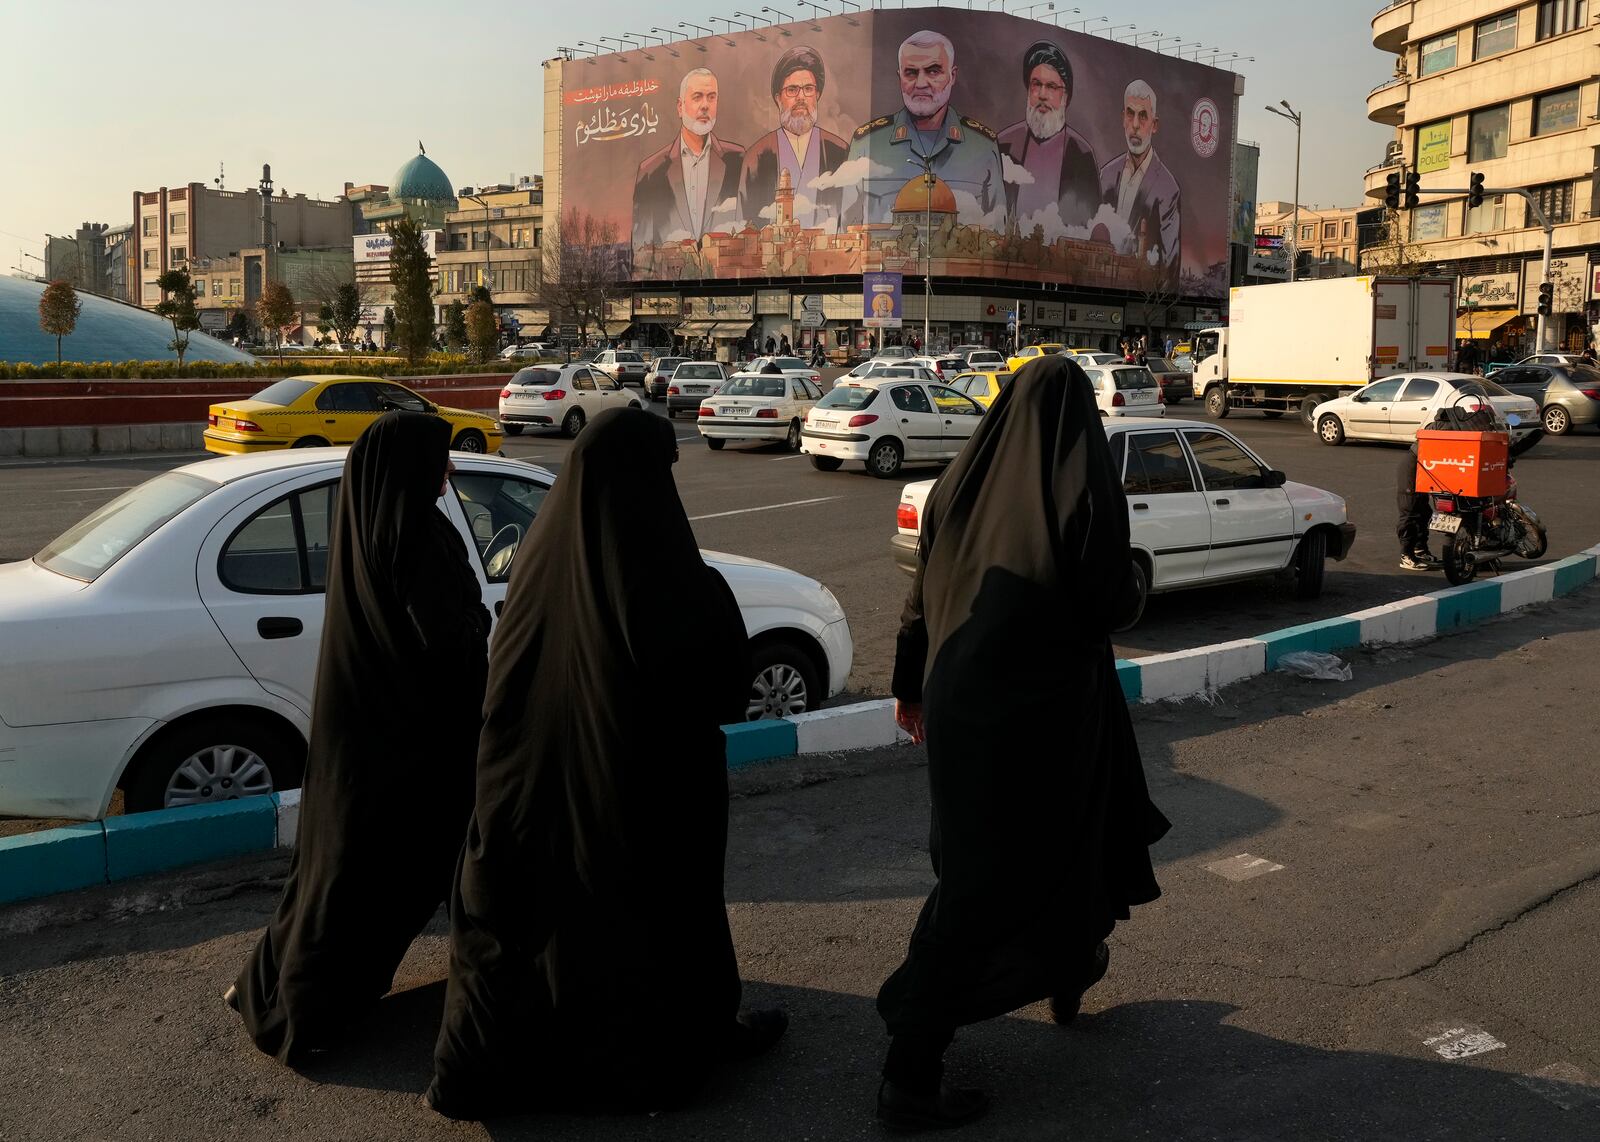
[[439, 364]]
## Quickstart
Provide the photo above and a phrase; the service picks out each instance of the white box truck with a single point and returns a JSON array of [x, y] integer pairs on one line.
[[1291, 346]]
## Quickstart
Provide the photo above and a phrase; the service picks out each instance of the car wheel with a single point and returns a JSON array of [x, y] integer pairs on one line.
[[210, 760], [792, 441], [470, 440], [512, 429], [826, 463], [1141, 587], [1330, 429], [784, 682], [1217, 402], [714, 443], [310, 442], [1310, 562], [572, 423], [1308, 408], [1460, 566], [885, 458], [1272, 413], [1557, 421]]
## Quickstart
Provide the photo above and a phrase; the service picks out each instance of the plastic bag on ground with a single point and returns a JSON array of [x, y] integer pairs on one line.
[[1317, 665]]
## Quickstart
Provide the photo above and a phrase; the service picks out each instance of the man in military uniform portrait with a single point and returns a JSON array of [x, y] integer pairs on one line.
[[1060, 163], [690, 186], [961, 151], [1141, 189], [798, 146]]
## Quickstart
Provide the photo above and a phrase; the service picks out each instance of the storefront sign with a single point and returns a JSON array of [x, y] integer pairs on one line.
[[657, 304], [1433, 147], [1093, 317], [722, 308], [1487, 290], [1048, 312], [376, 247]]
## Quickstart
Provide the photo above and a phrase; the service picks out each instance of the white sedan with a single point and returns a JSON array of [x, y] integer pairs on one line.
[[1202, 509], [1125, 390], [1396, 407], [758, 408], [887, 422], [167, 643], [562, 396]]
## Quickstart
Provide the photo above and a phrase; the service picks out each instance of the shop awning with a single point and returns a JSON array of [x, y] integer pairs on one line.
[[1477, 324], [697, 328]]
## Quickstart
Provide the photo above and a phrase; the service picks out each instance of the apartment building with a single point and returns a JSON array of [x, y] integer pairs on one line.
[[496, 239], [1511, 90], [1326, 244]]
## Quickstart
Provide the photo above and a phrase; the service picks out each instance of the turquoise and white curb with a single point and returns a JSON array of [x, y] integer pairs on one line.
[[120, 848]]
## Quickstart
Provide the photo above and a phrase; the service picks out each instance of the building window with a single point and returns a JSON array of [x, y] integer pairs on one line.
[[1555, 111], [1495, 35], [152, 293], [1349, 227], [1555, 200], [178, 223], [1438, 54], [152, 260], [177, 256], [1330, 230], [233, 287], [150, 225], [199, 287], [538, 235], [1490, 131], [1308, 233], [216, 287], [1345, 253], [1558, 16], [1428, 222], [1489, 217]]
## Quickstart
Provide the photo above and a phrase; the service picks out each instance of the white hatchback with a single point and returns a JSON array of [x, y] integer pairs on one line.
[[1394, 408], [1125, 390], [758, 408], [562, 396], [1202, 509], [887, 423], [167, 643]]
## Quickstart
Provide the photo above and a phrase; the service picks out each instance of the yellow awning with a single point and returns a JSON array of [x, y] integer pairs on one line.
[[1477, 324]]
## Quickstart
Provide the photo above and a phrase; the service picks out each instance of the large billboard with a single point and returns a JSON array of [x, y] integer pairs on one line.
[[804, 149]]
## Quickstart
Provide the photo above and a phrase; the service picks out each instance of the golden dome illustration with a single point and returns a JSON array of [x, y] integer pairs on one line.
[[914, 197]]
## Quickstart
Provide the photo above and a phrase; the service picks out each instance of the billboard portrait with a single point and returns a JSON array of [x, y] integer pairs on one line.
[[862, 142], [881, 306]]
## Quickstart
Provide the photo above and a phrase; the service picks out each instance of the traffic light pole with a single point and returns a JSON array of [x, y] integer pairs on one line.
[[1538, 215]]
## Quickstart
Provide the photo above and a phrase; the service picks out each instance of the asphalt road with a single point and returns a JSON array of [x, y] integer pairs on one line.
[[835, 527], [1411, 960]]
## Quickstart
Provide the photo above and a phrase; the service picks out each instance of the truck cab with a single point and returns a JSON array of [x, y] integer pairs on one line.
[[1210, 354]]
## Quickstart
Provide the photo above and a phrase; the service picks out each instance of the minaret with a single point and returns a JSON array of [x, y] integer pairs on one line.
[[785, 200]]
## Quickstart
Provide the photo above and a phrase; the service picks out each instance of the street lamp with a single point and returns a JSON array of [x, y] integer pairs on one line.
[[775, 12], [815, 8], [1090, 20], [488, 272], [1031, 7], [1056, 17], [1293, 116], [599, 49], [749, 17], [1142, 35], [686, 24], [646, 38], [619, 40], [1111, 33], [668, 33]]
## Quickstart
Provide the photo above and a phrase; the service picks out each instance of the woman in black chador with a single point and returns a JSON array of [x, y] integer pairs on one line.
[[591, 963], [394, 729], [1041, 818]]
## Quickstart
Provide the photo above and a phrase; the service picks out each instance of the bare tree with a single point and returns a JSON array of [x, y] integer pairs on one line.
[[1392, 251], [276, 308], [585, 265]]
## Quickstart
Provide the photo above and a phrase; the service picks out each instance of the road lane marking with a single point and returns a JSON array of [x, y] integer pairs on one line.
[[765, 508], [1563, 1084], [791, 456], [1243, 867], [1460, 1041]]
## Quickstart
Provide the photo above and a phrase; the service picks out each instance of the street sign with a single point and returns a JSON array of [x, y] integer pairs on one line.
[[1268, 264], [569, 331], [812, 319]]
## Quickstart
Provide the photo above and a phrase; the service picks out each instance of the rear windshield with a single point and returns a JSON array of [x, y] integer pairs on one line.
[[1159, 364], [536, 377], [755, 387], [790, 362], [848, 397], [1132, 378], [697, 373], [985, 358], [285, 393], [1483, 387], [666, 364], [630, 358], [86, 549]]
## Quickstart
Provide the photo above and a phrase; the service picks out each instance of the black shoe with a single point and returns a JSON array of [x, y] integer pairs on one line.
[[231, 996], [949, 1106], [754, 1032], [1064, 1007]]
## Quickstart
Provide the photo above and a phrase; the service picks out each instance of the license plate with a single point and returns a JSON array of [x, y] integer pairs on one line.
[[1449, 524], [693, 390], [729, 411]]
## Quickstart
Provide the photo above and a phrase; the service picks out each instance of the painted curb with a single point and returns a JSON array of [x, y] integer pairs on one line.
[[100, 852]]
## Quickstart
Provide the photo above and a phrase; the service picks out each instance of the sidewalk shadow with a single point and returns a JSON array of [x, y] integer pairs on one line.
[[1160, 1069]]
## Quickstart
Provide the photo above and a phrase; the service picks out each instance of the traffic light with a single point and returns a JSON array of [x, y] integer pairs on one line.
[[1391, 192], [1413, 188], [1546, 299], [1475, 191]]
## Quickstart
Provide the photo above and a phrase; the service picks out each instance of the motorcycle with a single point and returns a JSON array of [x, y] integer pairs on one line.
[[1479, 530]]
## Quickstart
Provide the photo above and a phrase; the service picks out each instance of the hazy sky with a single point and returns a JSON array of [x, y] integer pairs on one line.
[[336, 90]]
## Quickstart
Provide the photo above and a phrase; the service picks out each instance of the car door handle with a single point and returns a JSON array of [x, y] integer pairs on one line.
[[1141, 507], [328, 421], [278, 627], [1222, 503]]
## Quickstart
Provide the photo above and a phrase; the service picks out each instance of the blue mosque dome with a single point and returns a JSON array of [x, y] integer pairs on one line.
[[421, 178], [107, 331]]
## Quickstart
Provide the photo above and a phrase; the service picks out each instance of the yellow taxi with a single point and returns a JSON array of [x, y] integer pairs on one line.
[[981, 387], [310, 412], [1032, 353]]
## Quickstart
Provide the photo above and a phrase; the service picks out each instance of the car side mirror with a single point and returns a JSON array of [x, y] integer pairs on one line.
[[1361, 399], [1272, 478]]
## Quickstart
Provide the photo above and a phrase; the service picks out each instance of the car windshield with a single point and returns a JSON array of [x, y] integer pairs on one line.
[[697, 372], [536, 377], [848, 397], [1132, 377], [754, 387], [285, 393], [1159, 364], [667, 364], [86, 549]]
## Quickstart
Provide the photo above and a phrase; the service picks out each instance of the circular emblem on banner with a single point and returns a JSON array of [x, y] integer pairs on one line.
[[991, 311], [1205, 128]]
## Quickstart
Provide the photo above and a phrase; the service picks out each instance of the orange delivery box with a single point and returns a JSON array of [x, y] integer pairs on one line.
[[1470, 464]]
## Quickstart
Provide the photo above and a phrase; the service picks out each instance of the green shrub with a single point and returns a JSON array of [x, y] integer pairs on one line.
[[438, 364]]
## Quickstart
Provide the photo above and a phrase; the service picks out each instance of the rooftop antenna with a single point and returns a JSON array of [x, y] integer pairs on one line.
[[221, 174]]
